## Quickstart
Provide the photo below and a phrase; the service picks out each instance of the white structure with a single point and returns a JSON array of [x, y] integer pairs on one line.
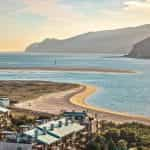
[[4, 101], [53, 131], [4, 110]]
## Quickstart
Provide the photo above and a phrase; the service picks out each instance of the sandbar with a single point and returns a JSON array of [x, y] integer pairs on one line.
[[69, 69]]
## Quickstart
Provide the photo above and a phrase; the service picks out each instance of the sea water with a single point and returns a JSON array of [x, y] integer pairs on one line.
[[115, 91]]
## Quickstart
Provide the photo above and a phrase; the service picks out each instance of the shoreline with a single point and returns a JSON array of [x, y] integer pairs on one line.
[[67, 69], [75, 100], [53, 103], [79, 99]]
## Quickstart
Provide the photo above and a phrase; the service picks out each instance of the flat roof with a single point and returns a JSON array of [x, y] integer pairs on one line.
[[57, 133], [66, 130], [31, 133], [43, 138], [46, 139]]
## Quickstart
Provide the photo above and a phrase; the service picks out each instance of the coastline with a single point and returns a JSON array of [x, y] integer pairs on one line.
[[75, 99], [68, 69], [79, 99]]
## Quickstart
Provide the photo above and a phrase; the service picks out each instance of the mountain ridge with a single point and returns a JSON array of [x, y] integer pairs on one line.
[[107, 41]]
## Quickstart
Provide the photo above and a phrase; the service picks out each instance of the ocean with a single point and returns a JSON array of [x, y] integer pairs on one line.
[[118, 92]]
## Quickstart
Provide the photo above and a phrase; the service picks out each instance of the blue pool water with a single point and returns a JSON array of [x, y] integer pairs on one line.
[[118, 92]]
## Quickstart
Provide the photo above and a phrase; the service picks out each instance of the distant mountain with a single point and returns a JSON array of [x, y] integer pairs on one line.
[[141, 49], [108, 41]]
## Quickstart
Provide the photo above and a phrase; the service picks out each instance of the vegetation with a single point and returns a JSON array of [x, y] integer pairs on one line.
[[128, 136], [18, 91], [18, 119]]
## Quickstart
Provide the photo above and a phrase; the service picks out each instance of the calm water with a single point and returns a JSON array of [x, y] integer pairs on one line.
[[119, 92]]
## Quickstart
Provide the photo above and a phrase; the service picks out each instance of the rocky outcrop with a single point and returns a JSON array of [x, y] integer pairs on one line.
[[141, 49]]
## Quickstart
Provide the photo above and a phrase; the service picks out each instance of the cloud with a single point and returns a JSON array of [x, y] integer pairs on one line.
[[139, 9], [32, 20], [132, 13], [137, 5]]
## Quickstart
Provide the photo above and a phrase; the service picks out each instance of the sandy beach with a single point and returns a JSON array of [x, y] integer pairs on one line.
[[75, 99], [53, 103], [102, 113]]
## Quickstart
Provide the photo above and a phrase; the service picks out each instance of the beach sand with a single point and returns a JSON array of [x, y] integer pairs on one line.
[[75, 99], [102, 113], [53, 103]]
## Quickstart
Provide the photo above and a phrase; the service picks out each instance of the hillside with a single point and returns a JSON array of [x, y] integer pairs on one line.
[[109, 41], [141, 49]]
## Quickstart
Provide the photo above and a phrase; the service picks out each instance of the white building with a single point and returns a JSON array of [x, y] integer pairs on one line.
[[4, 101]]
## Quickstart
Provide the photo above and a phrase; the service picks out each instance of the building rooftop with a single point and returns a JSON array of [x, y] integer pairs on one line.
[[48, 135], [66, 130], [47, 139]]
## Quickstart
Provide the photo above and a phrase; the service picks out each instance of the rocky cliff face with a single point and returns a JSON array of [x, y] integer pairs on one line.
[[141, 49]]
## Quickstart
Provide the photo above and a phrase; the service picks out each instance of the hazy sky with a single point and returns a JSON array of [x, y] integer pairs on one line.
[[26, 21]]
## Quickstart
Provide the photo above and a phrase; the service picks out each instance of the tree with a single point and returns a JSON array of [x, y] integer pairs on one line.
[[122, 145], [128, 134], [111, 145], [101, 140], [93, 146], [113, 134]]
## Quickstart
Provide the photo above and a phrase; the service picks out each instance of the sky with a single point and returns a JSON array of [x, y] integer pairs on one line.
[[26, 21]]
